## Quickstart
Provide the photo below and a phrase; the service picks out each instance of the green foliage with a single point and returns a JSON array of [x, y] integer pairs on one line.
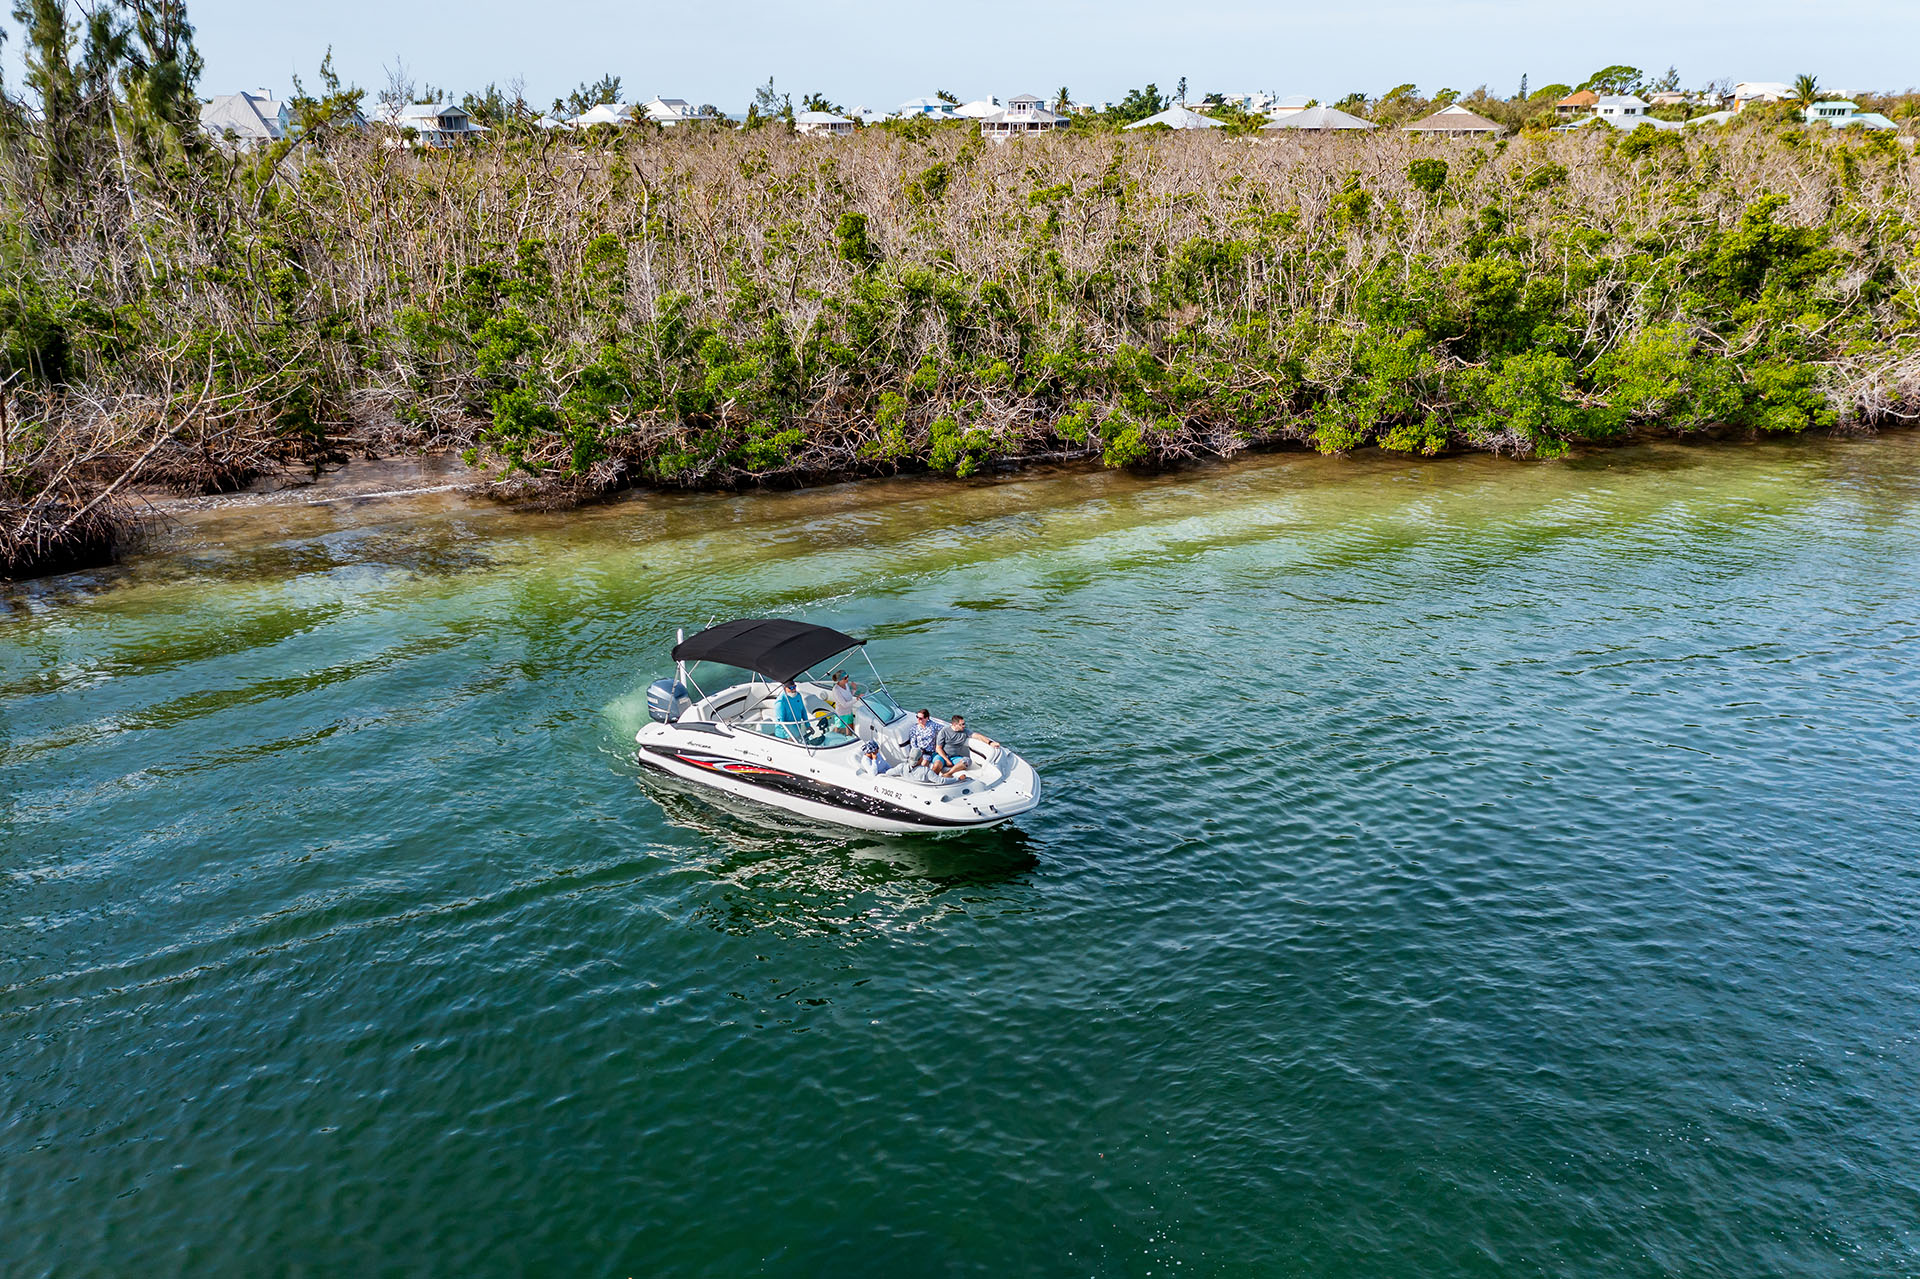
[[1762, 253], [590, 94], [33, 334], [1124, 441], [1351, 204], [1615, 79], [1384, 396], [952, 447], [1783, 395], [1661, 376], [930, 184], [1545, 176], [851, 244], [1428, 174], [1528, 396], [1647, 140], [1138, 105]]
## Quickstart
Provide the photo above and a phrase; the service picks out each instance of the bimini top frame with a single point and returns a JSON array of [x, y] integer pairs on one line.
[[776, 647]]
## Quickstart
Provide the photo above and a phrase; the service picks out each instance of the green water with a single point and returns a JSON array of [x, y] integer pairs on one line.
[[1462, 868]]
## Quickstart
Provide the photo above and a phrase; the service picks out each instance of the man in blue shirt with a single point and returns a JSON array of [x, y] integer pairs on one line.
[[790, 713]]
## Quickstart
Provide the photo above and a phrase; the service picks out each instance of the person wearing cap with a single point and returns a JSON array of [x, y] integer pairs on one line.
[[842, 699], [790, 713], [869, 759]]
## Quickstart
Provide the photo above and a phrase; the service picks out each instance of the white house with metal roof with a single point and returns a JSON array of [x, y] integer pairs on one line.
[[1620, 106], [1317, 120], [823, 124], [617, 114], [1178, 117], [930, 108], [245, 119], [431, 124], [1842, 113], [1023, 115], [1749, 92], [668, 112]]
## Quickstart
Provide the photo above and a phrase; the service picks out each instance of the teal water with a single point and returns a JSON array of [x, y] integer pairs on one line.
[[1459, 868]]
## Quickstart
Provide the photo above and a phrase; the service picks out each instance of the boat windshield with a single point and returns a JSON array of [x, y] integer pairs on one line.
[[872, 693], [884, 708]]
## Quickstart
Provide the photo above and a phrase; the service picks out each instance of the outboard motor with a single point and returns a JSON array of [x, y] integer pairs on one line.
[[666, 698]]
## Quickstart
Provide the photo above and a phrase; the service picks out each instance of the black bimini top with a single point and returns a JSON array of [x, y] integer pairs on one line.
[[776, 647]]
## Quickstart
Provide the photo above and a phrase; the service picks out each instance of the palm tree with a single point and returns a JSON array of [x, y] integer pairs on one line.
[[1806, 92]]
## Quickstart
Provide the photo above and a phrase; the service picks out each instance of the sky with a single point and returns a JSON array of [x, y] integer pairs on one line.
[[880, 55]]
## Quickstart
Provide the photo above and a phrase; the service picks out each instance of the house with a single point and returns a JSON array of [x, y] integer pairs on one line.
[[867, 115], [1318, 120], [245, 119], [822, 124], [978, 110], [1843, 114], [1575, 103], [1671, 98], [1178, 117], [617, 114], [1253, 103], [1022, 115], [1749, 92], [1624, 123], [667, 112], [928, 108], [1620, 106], [433, 124], [1456, 122]]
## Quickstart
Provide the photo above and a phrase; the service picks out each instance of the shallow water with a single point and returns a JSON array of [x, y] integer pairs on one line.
[[1448, 868]]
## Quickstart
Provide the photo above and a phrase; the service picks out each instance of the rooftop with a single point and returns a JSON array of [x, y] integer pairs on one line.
[[1318, 119], [1455, 119]]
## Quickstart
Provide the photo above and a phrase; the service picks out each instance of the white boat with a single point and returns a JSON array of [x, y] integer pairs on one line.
[[747, 713]]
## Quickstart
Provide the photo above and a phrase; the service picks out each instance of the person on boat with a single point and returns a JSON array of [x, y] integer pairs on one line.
[[925, 738], [870, 761], [953, 748], [950, 757], [842, 699], [790, 713]]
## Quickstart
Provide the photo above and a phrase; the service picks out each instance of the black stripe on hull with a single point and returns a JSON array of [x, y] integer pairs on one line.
[[774, 779]]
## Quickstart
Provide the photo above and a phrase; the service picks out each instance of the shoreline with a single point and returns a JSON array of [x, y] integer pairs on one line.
[[442, 475]]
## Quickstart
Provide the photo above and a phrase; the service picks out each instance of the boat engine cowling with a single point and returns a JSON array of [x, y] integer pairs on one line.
[[666, 698]]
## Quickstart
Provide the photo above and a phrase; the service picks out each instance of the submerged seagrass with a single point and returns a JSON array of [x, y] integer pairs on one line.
[[713, 307]]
